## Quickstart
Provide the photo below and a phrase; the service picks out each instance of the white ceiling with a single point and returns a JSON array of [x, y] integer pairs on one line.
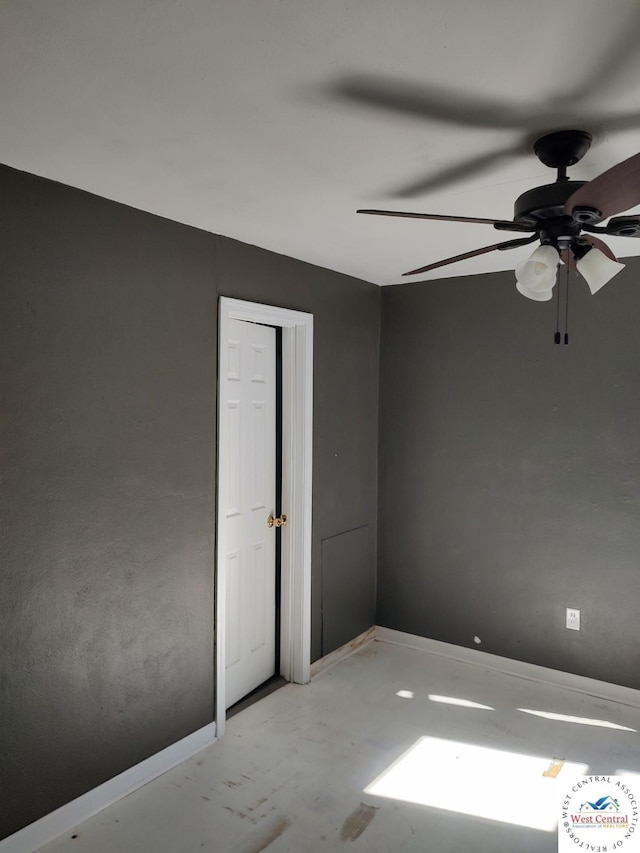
[[226, 115]]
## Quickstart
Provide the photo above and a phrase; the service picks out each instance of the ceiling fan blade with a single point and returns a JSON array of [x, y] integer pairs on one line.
[[625, 121], [439, 103], [599, 244], [503, 225], [614, 191], [496, 247], [419, 99], [609, 69], [458, 172]]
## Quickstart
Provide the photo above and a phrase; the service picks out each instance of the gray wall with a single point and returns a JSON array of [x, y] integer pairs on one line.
[[107, 400], [509, 475], [510, 471], [346, 332]]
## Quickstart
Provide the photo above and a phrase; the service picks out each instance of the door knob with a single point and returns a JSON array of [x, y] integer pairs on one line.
[[277, 522]]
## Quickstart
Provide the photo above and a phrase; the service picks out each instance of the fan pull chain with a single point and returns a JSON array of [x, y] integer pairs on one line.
[[557, 337], [566, 309]]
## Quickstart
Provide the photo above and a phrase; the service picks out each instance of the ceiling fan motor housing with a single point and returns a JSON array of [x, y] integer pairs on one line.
[[544, 207], [545, 202]]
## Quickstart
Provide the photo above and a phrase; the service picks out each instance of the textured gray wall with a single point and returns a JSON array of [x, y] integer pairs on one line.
[[346, 324], [348, 589], [510, 471], [108, 322]]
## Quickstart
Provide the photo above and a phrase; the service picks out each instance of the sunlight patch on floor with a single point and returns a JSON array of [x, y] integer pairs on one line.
[[405, 694], [580, 721], [463, 703], [479, 781]]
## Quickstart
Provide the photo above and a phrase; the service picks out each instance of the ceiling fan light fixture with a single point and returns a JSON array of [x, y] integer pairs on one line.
[[597, 269], [537, 274], [536, 295]]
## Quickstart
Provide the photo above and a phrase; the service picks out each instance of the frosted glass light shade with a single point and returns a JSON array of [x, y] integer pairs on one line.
[[538, 272], [597, 269], [537, 295]]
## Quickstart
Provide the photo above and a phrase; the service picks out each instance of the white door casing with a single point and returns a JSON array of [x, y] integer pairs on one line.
[[297, 435], [247, 467]]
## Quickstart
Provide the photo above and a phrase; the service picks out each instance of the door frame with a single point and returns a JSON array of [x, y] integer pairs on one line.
[[297, 458]]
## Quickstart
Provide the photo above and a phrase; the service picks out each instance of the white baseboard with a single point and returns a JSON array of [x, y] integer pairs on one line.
[[67, 817], [325, 663], [519, 669]]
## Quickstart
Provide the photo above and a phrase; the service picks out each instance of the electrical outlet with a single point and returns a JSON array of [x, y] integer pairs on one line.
[[573, 619]]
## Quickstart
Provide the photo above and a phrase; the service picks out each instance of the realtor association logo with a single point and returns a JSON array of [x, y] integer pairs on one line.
[[599, 814]]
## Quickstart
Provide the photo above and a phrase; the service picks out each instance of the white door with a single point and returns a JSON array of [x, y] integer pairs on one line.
[[246, 544]]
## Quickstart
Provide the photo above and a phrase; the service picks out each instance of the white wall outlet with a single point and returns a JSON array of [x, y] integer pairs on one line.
[[573, 619]]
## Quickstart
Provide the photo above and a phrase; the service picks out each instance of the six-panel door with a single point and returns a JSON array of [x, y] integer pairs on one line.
[[247, 464]]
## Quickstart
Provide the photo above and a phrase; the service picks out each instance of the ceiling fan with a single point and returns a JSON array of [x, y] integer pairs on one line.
[[558, 215]]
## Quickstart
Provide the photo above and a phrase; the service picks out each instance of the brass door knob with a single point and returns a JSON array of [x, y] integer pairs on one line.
[[277, 522]]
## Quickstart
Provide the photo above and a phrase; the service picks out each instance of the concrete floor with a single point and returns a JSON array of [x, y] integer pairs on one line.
[[292, 772]]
